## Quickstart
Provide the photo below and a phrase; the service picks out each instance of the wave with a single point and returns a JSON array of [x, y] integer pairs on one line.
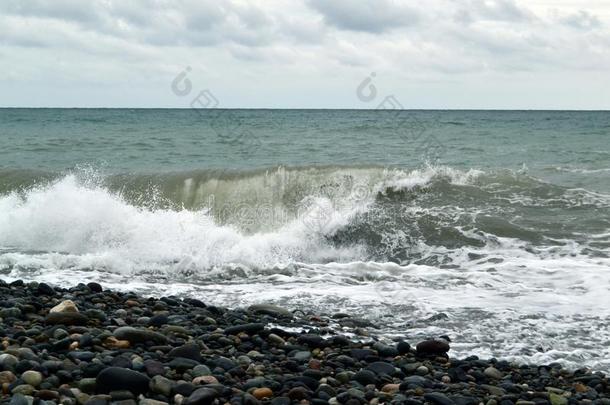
[[195, 222]]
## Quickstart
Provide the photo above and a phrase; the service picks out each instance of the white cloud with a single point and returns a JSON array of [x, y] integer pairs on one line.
[[309, 53]]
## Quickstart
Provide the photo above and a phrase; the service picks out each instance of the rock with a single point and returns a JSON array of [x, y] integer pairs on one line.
[[7, 377], [135, 335], [66, 318], [64, 306], [493, 390], [422, 370], [276, 340], [87, 385], [7, 313], [187, 351], [365, 377], [382, 367], [249, 328], [298, 394], [23, 389], [433, 347], [45, 289], [31, 377], [201, 396], [385, 350], [201, 370], [95, 287], [115, 378], [113, 343], [302, 356], [281, 401], [438, 398], [403, 347], [148, 401], [557, 399], [158, 320], [311, 340], [262, 393], [8, 361], [205, 379], [390, 388], [18, 399], [161, 385], [272, 310], [493, 372], [181, 364]]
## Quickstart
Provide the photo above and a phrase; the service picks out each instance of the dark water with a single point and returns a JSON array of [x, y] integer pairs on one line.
[[499, 219]]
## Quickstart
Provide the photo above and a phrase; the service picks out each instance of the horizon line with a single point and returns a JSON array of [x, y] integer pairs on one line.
[[310, 109]]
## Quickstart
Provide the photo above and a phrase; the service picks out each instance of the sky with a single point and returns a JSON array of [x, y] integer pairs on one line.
[[431, 54]]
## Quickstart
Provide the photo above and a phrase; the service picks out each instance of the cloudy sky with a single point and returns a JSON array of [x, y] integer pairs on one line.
[[306, 53]]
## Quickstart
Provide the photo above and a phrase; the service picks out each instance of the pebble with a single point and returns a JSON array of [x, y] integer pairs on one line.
[[123, 349], [493, 372], [115, 378], [33, 378], [64, 306], [262, 393]]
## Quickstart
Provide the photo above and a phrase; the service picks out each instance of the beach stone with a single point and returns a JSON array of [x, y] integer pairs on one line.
[[87, 385], [493, 372], [298, 394], [432, 347], [390, 388], [272, 310], [557, 399], [161, 385], [12, 312], [24, 389], [115, 378], [8, 361], [403, 347], [201, 370], [276, 340], [365, 377], [205, 379], [302, 356], [7, 377], [382, 367], [493, 390], [136, 335], [281, 401], [45, 289], [182, 364], [385, 350], [311, 340], [31, 377], [158, 320], [19, 399], [187, 351], [249, 328], [262, 393], [66, 318], [64, 306], [201, 396], [422, 370], [438, 398], [148, 401]]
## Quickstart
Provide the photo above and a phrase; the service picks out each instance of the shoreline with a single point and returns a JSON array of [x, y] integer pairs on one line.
[[89, 345]]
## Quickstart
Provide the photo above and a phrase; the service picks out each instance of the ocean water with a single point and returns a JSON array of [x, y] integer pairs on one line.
[[490, 226]]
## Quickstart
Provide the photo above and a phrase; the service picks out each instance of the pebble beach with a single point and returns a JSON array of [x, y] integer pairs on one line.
[[89, 345]]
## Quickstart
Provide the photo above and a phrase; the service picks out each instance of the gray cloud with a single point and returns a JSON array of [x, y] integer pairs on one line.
[[295, 47], [373, 16]]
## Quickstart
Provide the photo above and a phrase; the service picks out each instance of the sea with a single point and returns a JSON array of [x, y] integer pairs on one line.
[[492, 227]]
